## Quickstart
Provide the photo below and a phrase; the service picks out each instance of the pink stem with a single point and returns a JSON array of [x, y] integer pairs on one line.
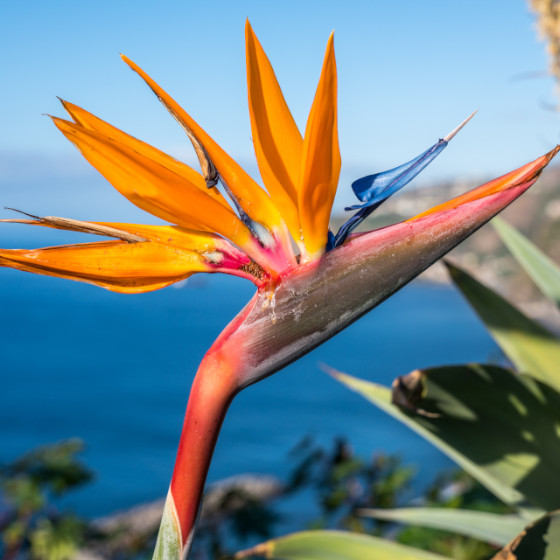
[[213, 389]]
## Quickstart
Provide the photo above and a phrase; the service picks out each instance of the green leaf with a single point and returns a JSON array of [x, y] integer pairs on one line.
[[502, 428], [335, 545], [543, 271], [530, 347], [488, 527], [54, 467], [539, 541], [57, 539]]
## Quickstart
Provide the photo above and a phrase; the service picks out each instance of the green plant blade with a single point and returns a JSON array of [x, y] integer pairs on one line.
[[530, 347], [381, 397], [488, 527], [544, 272], [502, 428], [335, 545], [539, 541]]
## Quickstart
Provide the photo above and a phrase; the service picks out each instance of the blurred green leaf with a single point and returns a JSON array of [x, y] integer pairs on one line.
[[24, 493], [56, 540], [543, 271], [13, 533], [488, 527], [530, 347], [502, 428], [30, 526], [335, 545], [539, 541], [54, 466], [454, 546]]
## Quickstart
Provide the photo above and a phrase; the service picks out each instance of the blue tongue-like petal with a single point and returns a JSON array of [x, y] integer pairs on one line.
[[373, 190]]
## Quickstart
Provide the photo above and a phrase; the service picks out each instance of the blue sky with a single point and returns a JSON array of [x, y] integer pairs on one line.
[[408, 71]]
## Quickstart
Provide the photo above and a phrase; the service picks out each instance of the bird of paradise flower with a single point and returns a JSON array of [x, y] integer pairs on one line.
[[310, 283]]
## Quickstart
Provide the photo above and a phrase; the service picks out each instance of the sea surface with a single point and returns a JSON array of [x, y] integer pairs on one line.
[[115, 370]]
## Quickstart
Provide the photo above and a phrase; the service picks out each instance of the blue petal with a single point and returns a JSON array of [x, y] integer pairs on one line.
[[379, 187], [351, 224], [373, 190], [331, 239]]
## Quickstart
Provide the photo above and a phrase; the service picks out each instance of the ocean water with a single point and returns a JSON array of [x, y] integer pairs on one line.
[[115, 370]]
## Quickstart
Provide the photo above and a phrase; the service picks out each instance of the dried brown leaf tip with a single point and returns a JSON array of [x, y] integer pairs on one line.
[[263, 550], [539, 541], [74, 225]]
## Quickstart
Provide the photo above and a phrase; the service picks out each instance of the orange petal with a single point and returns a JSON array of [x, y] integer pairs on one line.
[[168, 235], [277, 140], [254, 200], [219, 254], [521, 175], [321, 162], [174, 235], [91, 122], [153, 187], [116, 265], [218, 251]]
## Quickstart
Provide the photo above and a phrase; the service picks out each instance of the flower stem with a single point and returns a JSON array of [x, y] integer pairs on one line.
[[212, 391]]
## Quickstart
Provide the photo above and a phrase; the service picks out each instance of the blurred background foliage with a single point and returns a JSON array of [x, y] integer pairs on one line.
[[30, 525], [334, 483]]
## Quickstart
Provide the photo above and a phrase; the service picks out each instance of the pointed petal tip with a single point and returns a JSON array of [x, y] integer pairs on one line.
[[537, 166], [249, 33], [552, 153], [458, 128], [58, 122], [127, 61], [66, 104]]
